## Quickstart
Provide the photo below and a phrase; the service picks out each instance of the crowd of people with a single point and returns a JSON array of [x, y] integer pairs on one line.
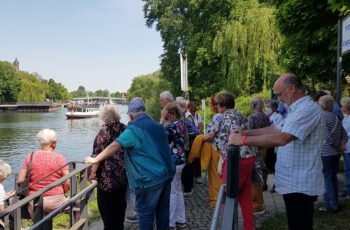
[[297, 138]]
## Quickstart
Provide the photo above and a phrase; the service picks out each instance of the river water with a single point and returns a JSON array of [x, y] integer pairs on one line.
[[75, 137]]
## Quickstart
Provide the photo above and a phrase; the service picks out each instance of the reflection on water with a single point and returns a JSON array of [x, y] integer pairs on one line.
[[75, 137]]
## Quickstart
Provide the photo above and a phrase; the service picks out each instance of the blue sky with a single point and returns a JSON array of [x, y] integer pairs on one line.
[[97, 44]]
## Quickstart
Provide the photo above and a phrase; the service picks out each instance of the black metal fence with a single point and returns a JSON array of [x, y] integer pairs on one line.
[[80, 193]]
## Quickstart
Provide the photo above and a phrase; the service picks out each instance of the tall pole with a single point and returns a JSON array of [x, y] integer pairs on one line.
[[184, 77], [339, 63]]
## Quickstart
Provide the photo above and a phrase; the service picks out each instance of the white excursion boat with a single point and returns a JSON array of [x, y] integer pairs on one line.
[[80, 112]]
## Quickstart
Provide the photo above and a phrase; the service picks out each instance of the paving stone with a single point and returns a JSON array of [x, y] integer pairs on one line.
[[199, 213]]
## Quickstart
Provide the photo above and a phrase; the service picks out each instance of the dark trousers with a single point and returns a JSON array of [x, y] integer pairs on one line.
[[300, 209], [112, 207], [187, 177], [197, 171]]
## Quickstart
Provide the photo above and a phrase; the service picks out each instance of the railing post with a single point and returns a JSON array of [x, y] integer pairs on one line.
[[85, 199], [73, 190], [38, 213], [230, 216]]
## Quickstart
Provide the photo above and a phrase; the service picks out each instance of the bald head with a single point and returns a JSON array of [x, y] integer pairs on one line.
[[289, 88]]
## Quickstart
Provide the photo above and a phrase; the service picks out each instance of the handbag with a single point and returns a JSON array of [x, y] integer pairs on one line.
[[259, 168], [23, 190]]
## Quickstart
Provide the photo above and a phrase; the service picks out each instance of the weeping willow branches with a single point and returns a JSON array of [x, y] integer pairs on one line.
[[249, 46]]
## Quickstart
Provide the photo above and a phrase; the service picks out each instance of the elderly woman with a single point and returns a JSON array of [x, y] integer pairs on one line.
[[335, 138], [233, 119], [258, 119], [345, 102], [190, 133], [110, 173], [176, 137], [5, 171], [206, 147], [44, 162], [196, 119]]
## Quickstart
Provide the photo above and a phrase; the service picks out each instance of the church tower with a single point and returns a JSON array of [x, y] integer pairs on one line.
[[16, 64]]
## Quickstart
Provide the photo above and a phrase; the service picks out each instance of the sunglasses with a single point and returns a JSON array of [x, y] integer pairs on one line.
[[171, 113]]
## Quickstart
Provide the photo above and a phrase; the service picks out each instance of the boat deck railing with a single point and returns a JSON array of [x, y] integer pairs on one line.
[[77, 206]]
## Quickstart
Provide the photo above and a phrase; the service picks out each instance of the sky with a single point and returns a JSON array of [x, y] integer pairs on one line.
[[96, 44]]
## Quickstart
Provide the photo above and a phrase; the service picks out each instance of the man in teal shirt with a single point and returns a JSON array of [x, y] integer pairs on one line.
[[148, 164]]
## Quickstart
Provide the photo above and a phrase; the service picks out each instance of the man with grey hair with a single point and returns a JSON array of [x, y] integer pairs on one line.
[[165, 98], [148, 162], [299, 166]]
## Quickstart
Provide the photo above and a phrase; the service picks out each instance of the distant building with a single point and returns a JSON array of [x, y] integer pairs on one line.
[[124, 95], [16, 64]]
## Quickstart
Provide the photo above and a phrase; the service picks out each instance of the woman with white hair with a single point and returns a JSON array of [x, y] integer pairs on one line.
[[45, 161], [345, 106], [5, 171], [110, 173], [335, 138]]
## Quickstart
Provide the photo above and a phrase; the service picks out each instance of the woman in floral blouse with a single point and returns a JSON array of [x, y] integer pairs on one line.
[[233, 119], [110, 173], [176, 136]]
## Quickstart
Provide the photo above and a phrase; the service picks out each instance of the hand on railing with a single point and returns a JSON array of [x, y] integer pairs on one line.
[[90, 160]]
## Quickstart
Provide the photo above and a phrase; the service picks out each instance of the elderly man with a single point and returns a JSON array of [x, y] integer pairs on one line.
[[164, 98], [299, 167], [149, 165]]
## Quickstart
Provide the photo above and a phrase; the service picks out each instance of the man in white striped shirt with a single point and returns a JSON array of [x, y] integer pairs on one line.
[[299, 167]]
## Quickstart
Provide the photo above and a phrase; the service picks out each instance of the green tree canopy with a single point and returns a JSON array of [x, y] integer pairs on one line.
[[190, 26], [57, 92], [10, 83], [249, 44], [80, 92], [33, 89], [310, 32], [148, 87], [101, 93]]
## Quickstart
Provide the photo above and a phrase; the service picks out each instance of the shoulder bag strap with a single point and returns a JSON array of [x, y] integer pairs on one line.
[[335, 125], [29, 166]]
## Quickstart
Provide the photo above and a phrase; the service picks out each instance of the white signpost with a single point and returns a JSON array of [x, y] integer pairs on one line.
[[343, 48], [184, 79]]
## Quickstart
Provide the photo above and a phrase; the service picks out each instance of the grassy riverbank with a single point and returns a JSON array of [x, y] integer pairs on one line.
[[322, 220], [62, 221]]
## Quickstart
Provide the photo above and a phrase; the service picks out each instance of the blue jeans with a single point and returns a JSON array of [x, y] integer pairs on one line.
[[152, 201], [347, 172], [330, 170]]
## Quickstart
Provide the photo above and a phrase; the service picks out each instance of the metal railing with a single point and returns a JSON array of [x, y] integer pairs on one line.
[[80, 193], [228, 194]]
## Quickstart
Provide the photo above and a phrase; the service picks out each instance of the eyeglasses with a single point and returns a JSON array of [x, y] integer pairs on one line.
[[280, 93]]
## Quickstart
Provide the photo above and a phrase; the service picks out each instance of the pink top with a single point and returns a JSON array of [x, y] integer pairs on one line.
[[43, 163]]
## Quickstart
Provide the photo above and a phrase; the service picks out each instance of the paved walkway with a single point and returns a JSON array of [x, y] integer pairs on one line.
[[199, 213]]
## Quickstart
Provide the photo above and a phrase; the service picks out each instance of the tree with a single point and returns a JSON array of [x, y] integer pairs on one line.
[[310, 32], [33, 89], [116, 94], [80, 92], [140, 87], [10, 83], [101, 93], [190, 26], [57, 91], [249, 44]]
